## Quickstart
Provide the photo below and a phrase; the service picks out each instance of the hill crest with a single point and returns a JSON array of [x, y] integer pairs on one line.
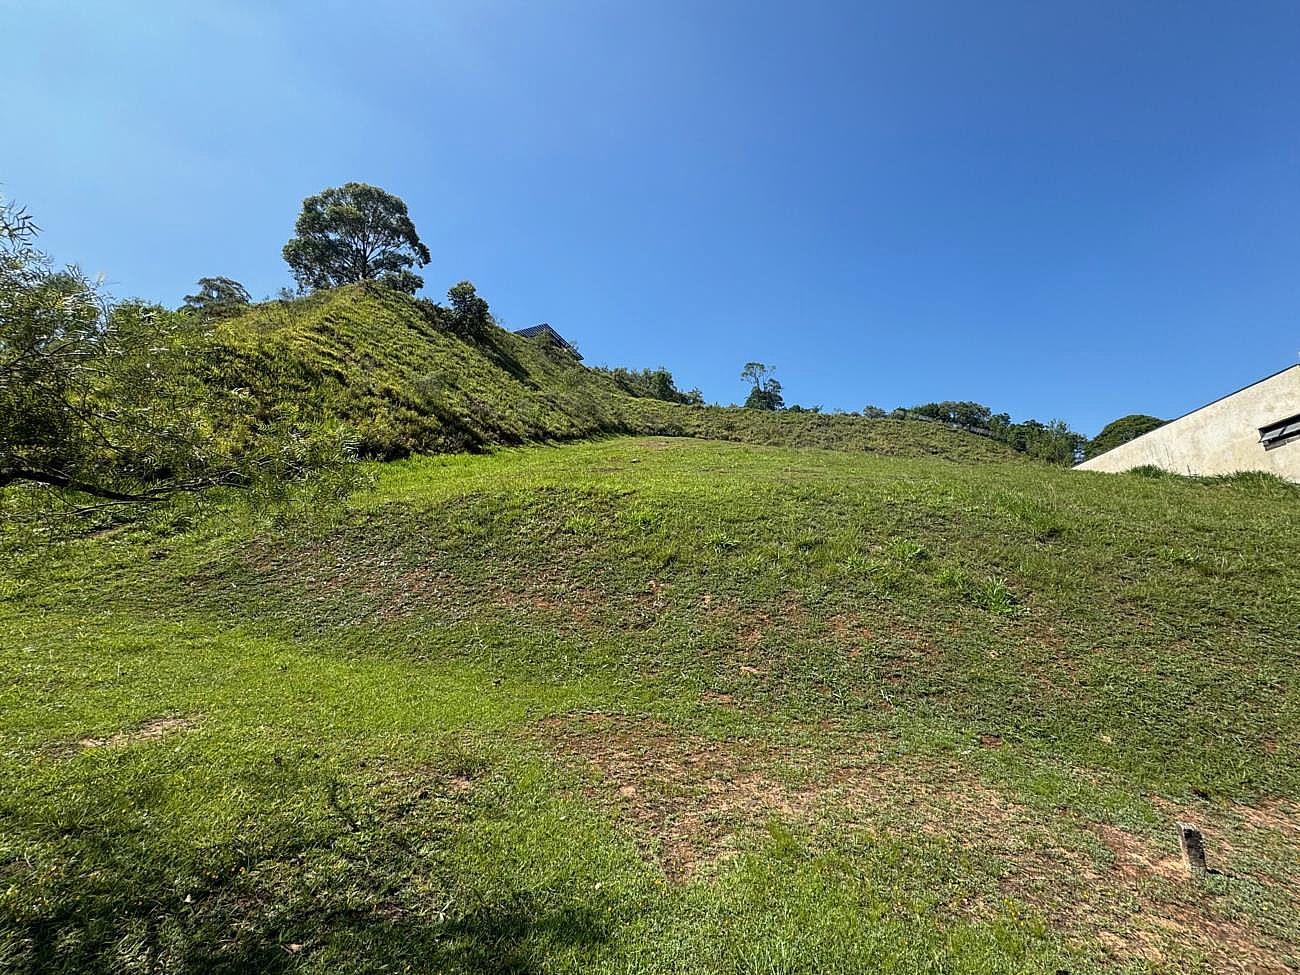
[[388, 368]]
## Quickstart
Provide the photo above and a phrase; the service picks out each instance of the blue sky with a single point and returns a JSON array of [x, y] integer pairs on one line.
[[1074, 210]]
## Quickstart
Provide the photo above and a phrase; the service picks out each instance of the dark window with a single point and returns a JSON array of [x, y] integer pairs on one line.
[[1283, 431]]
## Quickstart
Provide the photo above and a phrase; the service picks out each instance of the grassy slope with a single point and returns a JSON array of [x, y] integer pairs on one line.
[[381, 362], [664, 705]]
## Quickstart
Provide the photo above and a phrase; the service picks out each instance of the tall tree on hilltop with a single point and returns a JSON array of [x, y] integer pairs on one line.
[[766, 391], [355, 232]]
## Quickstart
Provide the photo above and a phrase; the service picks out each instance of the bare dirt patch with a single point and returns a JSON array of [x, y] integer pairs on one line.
[[1137, 858], [150, 730], [1282, 817], [554, 597], [1140, 902], [693, 802], [687, 798]]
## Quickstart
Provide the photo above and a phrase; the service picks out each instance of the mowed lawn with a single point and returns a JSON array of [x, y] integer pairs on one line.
[[662, 706]]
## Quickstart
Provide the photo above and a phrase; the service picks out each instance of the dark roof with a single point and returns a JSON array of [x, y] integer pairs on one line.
[[532, 331]]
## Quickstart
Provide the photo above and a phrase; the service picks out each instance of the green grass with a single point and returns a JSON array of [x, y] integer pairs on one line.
[[384, 366], [663, 705]]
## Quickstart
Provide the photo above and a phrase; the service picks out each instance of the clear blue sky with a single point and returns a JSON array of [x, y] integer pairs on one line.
[[1061, 209]]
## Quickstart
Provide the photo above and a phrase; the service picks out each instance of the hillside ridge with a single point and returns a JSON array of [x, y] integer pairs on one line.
[[388, 368]]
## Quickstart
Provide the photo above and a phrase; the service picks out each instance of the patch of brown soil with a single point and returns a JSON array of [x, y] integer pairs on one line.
[[852, 629], [150, 730], [1136, 858], [1276, 821], [409, 593], [1281, 817], [687, 798], [552, 597], [691, 802], [1177, 913], [717, 697], [753, 626]]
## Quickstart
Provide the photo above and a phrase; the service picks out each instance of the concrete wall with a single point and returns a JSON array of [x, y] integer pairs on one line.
[[1221, 438]]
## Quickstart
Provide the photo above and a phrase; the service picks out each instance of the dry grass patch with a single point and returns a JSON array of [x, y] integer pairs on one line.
[[687, 798], [150, 730], [693, 802]]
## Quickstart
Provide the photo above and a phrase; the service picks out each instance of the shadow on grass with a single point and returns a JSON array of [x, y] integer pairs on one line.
[[505, 360], [511, 937]]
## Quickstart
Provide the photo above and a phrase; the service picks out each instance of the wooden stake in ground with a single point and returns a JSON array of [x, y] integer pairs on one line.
[[1192, 844]]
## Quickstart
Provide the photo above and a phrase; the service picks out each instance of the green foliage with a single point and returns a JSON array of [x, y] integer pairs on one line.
[[1053, 443], [765, 391], [113, 402], [471, 317], [392, 371], [353, 233], [650, 384], [961, 413], [1121, 431], [218, 298]]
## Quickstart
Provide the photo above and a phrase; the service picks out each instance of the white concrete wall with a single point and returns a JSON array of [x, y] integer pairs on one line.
[[1221, 438]]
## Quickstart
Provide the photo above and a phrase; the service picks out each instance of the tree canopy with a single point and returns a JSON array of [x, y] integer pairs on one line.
[[218, 297], [962, 413], [1121, 431], [1053, 442], [765, 391], [471, 315], [355, 232], [651, 384]]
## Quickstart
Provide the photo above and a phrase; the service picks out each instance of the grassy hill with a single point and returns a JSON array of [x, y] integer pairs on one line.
[[657, 705], [389, 368]]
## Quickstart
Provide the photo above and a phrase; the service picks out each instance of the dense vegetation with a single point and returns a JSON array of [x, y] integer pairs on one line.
[[130, 404], [403, 376], [108, 405], [105, 404], [651, 384], [1053, 442], [1121, 431], [662, 705]]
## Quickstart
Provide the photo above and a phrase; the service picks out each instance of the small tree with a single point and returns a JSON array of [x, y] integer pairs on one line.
[[1053, 442], [218, 298], [355, 232], [766, 391], [470, 313]]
